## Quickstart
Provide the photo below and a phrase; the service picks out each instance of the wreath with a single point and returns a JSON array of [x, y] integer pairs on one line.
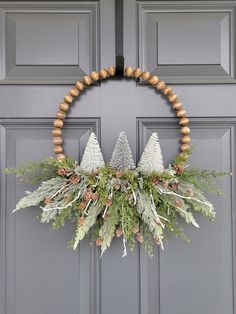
[[143, 203]]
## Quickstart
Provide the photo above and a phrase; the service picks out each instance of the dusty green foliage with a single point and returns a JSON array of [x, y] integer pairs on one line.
[[106, 203]]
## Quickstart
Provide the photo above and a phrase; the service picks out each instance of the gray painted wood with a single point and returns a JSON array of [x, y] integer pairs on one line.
[[38, 273]]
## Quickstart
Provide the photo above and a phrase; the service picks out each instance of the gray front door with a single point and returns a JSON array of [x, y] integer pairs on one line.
[[44, 48]]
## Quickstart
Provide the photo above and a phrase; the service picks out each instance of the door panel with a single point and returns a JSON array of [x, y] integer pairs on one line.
[[38, 273]]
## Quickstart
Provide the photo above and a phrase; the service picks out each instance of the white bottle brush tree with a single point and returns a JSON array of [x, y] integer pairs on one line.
[[122, 156], [151, 159], [92, 158]]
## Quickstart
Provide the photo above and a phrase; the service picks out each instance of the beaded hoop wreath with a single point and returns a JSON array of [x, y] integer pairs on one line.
[[130, 73], [118, 199]]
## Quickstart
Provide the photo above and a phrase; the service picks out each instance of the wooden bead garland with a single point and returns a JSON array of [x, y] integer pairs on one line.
[[128, 72]]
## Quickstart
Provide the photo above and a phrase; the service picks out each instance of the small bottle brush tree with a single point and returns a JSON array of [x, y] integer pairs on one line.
[[122, 156], [151, 159], [92, 158]]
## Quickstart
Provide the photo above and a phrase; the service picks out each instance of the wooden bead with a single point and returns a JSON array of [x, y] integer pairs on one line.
[[95, 75], [111, 70], [138, 73], [64, 106], [60, 156], [161, 85], [61, 115], [186, 139], [68, 98], [57, 140], [173, 97], [184, 147], [74, 92], [58, 149], [146, 75], [185, 130], [58, 123], [87, 80], [56, 132], [184, 121], [177, 105], [167, 90], [129, 72], [181, 113], [153, 80], [103, 74], [79, 85]]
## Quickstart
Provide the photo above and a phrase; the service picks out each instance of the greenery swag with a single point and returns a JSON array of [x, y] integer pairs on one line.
[[141, 203]]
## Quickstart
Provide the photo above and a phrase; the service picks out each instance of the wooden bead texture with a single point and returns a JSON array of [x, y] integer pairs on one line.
[[135, 73]]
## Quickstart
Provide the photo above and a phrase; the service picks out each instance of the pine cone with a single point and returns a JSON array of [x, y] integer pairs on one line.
[[178, 203], [165, 184], [99, 241], [82, 205], [108, 202], [94, 173], [81, 221], [139, 238], [94, 196], [135, 229], [175, 186], [157, 241], [119, 174], [117, 187], [74, 179], [119, 232], [155, 181], [62, 171], [179, 168], [47, 200], [190, 192], [88, 195]]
